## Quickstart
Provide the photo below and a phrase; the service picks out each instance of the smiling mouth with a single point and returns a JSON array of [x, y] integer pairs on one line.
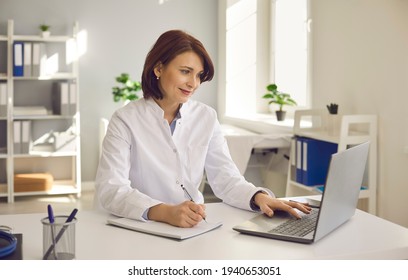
[[186, 92]]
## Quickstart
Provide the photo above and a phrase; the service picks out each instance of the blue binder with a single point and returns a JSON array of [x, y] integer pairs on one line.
[[18, 59], [299, 159], [292, 159], [315, 160]]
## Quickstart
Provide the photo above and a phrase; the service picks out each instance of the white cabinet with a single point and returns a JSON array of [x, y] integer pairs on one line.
[[344, 130], [39, 122]]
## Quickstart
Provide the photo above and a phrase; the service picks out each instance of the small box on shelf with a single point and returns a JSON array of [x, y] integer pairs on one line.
[[31, 182]]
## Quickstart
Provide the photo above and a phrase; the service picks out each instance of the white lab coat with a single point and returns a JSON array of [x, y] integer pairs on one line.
[[142, 164]]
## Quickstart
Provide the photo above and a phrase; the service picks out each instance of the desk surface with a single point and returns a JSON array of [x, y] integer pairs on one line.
[[363, 237]]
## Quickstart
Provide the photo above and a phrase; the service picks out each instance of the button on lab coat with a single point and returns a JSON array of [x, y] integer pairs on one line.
[[142, 164]]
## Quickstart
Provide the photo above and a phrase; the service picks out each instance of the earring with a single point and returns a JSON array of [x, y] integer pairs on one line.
[[157, 77]]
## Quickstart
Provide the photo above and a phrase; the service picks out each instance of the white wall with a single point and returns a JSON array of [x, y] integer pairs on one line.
[[361, 62], [120, 33]]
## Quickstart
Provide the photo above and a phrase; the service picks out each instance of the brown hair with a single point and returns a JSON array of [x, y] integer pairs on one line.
[[167, 47]]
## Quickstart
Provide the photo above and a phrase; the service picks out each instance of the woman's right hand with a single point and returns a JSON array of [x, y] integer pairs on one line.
[[186, 214]]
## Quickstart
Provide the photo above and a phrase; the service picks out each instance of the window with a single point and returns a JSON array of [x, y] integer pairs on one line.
[[241, 56], [261, 42], [290, 48]]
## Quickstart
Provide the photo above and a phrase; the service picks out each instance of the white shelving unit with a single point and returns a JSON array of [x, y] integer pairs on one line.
[[345, 130], [33, 91]]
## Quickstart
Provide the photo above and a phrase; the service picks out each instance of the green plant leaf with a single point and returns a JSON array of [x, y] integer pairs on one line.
[[116, 98], [278, 97], [132, 96], [128, 89], [44, 27], [272, 87]]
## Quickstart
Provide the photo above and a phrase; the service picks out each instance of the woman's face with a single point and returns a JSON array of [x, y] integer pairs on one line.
[[180, 77]]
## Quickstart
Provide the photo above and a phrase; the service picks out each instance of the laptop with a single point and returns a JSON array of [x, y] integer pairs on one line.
[[338, 203]]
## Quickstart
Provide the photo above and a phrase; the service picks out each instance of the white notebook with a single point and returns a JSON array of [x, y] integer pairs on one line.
[[163, 229]]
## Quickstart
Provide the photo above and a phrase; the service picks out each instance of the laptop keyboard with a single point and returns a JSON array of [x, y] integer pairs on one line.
[[298, 227]]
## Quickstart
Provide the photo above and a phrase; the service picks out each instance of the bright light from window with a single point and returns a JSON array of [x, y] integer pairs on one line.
[[241, 57], [52, 65], [71, 51], [77, 48], [82, 41], [291, 48], [257, 55]]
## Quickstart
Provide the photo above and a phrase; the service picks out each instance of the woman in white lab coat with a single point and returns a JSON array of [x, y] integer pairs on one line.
[[156, 148]]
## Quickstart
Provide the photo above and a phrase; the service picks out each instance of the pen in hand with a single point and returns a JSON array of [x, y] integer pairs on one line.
[[191, 199]]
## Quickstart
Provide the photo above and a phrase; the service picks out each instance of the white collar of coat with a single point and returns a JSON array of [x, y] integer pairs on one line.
[[159, 111]]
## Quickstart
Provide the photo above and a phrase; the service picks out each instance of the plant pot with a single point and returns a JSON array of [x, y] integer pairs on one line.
[[45, 34], [280, 115]]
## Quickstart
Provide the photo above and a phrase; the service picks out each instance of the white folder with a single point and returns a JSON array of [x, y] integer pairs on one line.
[[17, 137], [25, 136], [3, 99], [43, 60], [36, 60], [27, 59], [39, 59], [72, 98]]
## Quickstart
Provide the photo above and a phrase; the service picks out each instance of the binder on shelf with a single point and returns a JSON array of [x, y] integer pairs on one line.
[[293, 159], [25, 136], [39, 60], [18, 59], [27, 59], [316, 156], [17, 137], [36, 60], [3, 99], [298, 159], [72, 98], [61, 99]]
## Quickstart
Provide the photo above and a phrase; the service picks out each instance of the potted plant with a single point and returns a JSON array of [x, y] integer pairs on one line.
[[45, 30], [279, 98], [128, 89]]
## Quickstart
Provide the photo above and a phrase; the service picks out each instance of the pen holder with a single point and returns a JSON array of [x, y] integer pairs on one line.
[[58, 238], [333, 124]]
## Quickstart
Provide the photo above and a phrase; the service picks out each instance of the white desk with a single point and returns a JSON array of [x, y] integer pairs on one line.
[[363, 237]]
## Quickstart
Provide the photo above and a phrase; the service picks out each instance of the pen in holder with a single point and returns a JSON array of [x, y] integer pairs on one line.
[[333, 108], [52, 229], [59, 236], [333, 119]]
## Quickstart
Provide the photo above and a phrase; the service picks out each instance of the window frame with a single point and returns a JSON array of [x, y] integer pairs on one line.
[[262, 121]]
